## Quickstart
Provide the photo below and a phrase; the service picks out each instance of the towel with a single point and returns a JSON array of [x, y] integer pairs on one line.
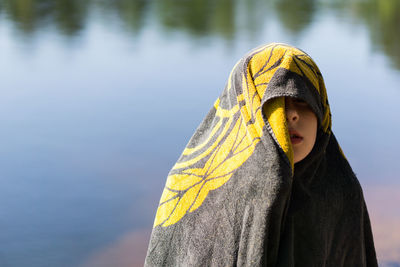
[[235, 196]]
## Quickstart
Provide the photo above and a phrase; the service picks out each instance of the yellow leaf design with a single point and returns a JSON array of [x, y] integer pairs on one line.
[[184, 180], [183, 204], [168, 202], [186, 190]]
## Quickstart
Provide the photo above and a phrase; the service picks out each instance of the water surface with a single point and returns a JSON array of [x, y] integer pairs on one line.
[[99, 98]]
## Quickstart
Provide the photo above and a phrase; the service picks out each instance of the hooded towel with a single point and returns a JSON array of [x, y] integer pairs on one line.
[[235, 196]]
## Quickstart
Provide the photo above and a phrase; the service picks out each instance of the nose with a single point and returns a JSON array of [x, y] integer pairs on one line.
[[291, 113]]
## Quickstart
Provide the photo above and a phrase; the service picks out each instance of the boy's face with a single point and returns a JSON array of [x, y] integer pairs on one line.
[[302, 124]]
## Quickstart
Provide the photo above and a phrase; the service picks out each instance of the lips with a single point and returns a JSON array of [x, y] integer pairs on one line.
[[295, 137]]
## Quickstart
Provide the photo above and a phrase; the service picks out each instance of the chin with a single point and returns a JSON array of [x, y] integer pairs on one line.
[[299, 158]]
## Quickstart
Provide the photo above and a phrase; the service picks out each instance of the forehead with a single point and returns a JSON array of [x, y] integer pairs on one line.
[[287, 84]]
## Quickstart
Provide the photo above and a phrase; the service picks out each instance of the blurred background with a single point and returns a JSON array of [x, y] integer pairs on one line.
[[98, 99]]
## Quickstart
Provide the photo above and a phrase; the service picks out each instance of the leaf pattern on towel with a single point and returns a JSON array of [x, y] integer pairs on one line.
[[236, 127], [186, 190]]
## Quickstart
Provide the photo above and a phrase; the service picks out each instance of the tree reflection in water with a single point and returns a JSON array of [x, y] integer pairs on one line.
[[205, 18]]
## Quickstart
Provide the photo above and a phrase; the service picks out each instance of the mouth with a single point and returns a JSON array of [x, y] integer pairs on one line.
[[295, 137]]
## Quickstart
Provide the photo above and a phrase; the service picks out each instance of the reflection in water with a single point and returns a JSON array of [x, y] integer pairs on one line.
[[132, 13], [198, 17], [130, 249], [295, 15], [69, 16], [385, 219], [383, 20], [207, 18], [76, 148]]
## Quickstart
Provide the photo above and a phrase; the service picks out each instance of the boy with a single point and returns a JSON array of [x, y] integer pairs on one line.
[[263, 181]]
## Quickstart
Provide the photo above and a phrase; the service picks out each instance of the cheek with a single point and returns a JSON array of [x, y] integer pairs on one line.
[[312, 126]]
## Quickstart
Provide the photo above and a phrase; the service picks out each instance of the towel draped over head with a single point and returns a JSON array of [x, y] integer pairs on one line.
[[235, 196]]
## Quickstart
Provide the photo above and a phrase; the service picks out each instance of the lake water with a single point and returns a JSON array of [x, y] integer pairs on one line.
[[99, 98]]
